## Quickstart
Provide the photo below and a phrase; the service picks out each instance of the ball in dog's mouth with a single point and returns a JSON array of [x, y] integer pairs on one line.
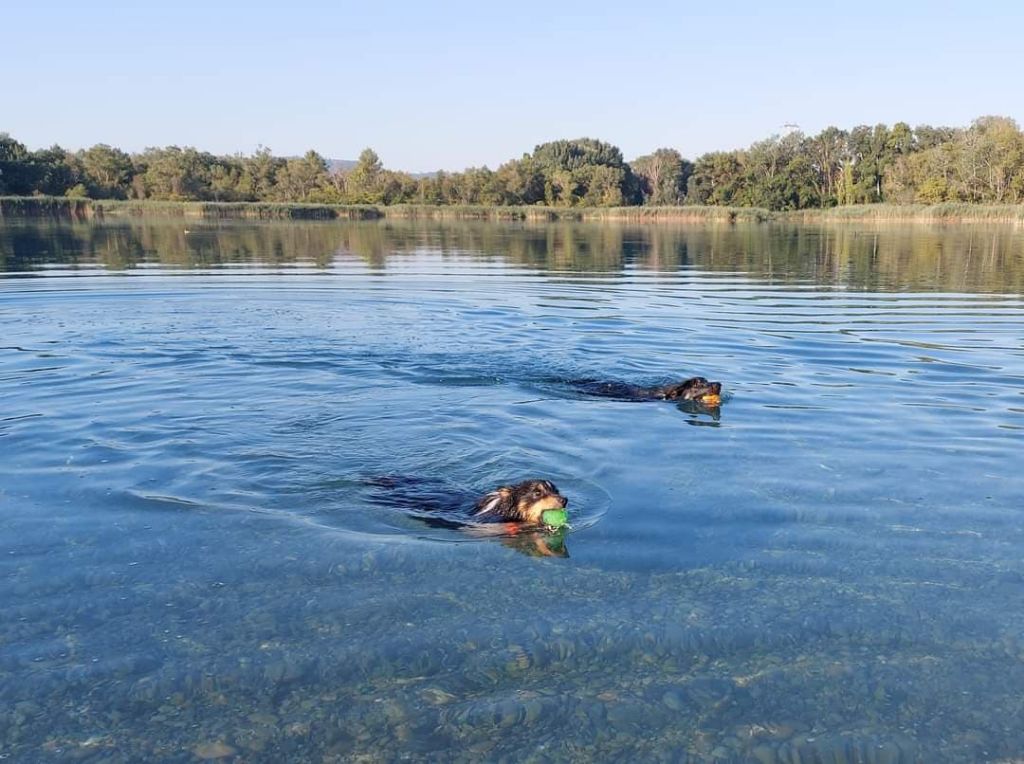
[[555, 518]]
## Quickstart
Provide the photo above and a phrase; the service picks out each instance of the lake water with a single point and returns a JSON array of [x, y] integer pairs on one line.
[[195, 561]]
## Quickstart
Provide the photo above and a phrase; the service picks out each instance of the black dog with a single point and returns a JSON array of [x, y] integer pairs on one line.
[[696, 389]]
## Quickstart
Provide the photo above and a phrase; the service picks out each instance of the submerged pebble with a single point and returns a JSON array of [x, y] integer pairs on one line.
[[217, 749]]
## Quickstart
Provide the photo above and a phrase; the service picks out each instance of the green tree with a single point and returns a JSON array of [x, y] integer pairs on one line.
[[177, 173], [15, 176], [828, 152], [900, 139], [928, 137], [764, 181], [428, 189], [302, 180], [998, 149], [363, 182], [225, 178], [717, 179], [258, 176], [522, 181], [105, 171], [54, 174], [395, 187], [570, 168], [868, 159], [662, 176]]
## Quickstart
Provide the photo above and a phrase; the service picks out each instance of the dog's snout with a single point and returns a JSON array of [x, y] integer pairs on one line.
[[563, 501]]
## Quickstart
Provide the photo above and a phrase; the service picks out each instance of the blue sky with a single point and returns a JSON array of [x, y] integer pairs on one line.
[[454, 84]]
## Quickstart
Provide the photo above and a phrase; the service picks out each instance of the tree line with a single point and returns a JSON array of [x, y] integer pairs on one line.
[[982, 163]]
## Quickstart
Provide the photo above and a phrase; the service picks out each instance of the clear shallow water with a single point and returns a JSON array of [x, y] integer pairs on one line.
[[191, 563]]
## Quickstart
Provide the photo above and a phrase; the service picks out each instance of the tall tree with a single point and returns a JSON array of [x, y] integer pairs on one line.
[[522, 181], [259, 175], [106, 171], [177, 173], [828, 151], [662, 176], [362, 184], [301, 180], [15, 177], [570, 167], [717, 179]]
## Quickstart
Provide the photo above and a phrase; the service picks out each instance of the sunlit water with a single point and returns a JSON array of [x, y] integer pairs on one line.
[[192, 563]]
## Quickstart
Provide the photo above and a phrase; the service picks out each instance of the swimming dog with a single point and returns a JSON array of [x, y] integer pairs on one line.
[[441, 505], [697, 389]]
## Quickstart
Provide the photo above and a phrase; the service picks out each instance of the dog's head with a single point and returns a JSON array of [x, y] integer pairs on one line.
[[523, 502], [695, 389]]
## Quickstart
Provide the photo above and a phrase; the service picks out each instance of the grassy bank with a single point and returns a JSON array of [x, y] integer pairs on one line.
[[695, 214], [85, 209], [868, 213]]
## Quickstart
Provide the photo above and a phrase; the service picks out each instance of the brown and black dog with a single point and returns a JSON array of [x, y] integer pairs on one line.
[[697, 389], [441, 505], [523, 502]]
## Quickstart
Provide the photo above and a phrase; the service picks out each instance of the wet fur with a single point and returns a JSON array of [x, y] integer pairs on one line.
[[442, 505], [693, 389], [520, 503]]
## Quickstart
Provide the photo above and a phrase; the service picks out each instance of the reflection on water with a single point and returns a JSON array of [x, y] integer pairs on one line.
[[955, 258], [193, 563]]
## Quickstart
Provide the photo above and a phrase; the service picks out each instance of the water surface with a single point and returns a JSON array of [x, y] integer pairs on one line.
[[192, 564]]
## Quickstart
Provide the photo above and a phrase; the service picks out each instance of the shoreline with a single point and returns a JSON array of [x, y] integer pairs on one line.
[[89, 209]]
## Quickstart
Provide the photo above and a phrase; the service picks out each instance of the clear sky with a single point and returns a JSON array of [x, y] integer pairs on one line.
[[446, 85]]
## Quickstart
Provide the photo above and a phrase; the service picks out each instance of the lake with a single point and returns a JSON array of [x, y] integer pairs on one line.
[[198, 417]]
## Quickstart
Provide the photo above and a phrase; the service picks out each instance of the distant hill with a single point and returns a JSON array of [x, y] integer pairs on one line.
[[344, 165], [340, 165]]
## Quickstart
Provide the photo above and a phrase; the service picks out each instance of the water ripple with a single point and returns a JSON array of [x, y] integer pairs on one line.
[[189, 432]]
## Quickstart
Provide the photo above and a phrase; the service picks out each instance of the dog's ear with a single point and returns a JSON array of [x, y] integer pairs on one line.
[[493, 500]]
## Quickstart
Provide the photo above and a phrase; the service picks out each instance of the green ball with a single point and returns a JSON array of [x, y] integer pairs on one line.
[[554, 518]]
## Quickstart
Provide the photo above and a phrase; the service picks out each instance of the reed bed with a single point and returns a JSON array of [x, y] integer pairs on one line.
[[84, 209], [948, 212], [541, 213]]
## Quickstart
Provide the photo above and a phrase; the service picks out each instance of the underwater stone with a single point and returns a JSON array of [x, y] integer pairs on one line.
[[709, 691], [764, 754], [886, 753], [533, 710], [25, 710], [622, 715], [436, 696], [217, 749], [674, 700]]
